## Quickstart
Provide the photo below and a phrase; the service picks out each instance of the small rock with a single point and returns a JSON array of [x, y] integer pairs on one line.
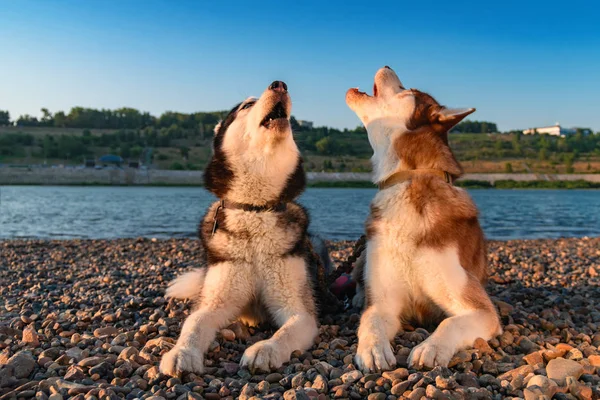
[[547, 386], [228, 335], [30, 337], [594, 360], [506, 339], [521, 371], [504, 308], [247, 392], [574, 354], [100, 369], [23, 364], [263, 387], [90, 361], [467, 379], [75, 338], [75, 353], [445, 383], [399, 388], [338, 344], [240, 330], [294, 394], [534, 358], [559, 368], [417, 394], [398, 374], [7, 376], [377, 396], [490, 367], [323, 368], [298, 380], [340, 393], [4, 356], [106, 331], [74, 373], [527, 346], [432, 392], [128, 352], [231, 368], [320, 384], [273, 378], [120, 339], [352, 376], [460, 357], [483, 346], [579, 390]]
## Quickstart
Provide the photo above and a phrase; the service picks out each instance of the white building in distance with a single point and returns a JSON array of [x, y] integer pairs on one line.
[[555, 130], [305, 124]]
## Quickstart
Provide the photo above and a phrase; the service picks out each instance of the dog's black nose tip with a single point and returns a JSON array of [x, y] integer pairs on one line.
[[278, 86], [387, 67]]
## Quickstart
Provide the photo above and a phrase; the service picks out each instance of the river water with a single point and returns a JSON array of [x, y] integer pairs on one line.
[[61, 212]]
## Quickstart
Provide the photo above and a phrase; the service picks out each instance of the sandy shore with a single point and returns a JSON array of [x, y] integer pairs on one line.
[[86, 319]]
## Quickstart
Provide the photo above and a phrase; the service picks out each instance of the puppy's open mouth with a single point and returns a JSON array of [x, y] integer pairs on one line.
[[278, 112]]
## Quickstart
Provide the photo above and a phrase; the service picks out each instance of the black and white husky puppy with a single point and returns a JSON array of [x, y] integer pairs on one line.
[[260, 262]]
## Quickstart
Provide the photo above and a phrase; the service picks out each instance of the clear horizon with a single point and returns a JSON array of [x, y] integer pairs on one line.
[[520, 64]]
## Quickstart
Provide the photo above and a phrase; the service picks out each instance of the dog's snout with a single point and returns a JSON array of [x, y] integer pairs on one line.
[[278, 86], [387, 67]]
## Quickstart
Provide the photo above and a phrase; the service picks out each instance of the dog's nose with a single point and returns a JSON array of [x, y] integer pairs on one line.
[[387, 67], [278, 86]]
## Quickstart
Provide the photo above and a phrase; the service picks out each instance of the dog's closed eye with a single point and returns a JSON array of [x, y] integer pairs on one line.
[[247, 105]]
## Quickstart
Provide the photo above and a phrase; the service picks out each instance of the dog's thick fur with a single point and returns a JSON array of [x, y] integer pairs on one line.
[[426, 256], [259, 264]]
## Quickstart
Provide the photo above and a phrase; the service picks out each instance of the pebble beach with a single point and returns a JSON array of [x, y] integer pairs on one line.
[[86, 319]]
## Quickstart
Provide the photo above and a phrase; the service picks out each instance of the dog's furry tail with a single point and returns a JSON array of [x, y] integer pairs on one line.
[[188, 285]]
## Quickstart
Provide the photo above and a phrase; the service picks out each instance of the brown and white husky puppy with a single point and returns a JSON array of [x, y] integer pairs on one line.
[[426, 254], [260, 262]]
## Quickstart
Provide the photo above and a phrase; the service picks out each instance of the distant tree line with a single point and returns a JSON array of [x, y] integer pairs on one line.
[[129, 133], [141, 129], [121, 118], [468, 126], [4, 118]]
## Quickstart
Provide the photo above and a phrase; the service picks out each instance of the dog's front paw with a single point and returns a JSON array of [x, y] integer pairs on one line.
[[376, 357], [180, 359], [264, 356], [430, 354]]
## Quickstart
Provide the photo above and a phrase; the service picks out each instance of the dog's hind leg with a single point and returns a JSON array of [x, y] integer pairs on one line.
[[287, 295], [227, 289], [460, 295]]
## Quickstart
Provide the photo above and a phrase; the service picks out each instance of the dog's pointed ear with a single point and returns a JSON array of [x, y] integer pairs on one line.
[[449, 117], [217, 127]]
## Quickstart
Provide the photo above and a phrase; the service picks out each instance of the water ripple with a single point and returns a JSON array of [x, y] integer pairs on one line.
[[337, 214]]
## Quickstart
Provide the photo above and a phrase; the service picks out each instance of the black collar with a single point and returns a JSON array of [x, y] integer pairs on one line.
[[251, 207], [232, 205]]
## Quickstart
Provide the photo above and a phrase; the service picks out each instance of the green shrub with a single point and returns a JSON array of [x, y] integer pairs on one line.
[[474, 184]]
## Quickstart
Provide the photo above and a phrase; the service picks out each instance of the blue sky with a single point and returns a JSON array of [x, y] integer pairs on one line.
[[521, 64]]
